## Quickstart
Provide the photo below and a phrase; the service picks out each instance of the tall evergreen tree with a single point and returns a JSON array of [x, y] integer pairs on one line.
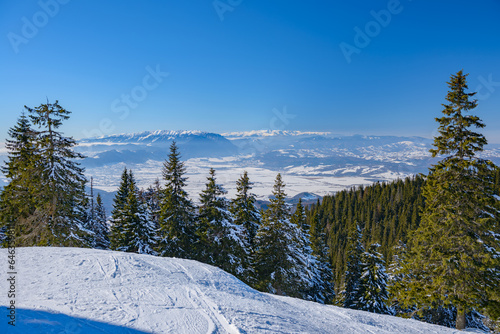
[[321, 251], [351, 292], [141, 233], [455, 253], [373, 282], [316, 285], [396, 278], [243, 208], [60, 183], [17, 201], [222, 243], [131, 230], [100, 227], [118, 215], [177, 233], [152, 199], [281, 265]]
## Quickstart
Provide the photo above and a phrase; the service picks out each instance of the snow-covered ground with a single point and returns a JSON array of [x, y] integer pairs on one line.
[[107, 178], [70, 290]]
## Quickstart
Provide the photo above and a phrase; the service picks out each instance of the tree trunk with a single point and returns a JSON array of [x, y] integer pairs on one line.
[[460, 322]]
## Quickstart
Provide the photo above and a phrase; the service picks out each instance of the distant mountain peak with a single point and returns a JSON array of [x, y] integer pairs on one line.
[[272, 133], [151, 136]]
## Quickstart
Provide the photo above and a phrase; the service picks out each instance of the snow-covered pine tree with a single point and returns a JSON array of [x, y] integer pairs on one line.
[[321, 251], [131, 231], [101, 229], [177, 233], [85, 221], [17, 201], [311, 269], [151, 197], [351, 294], [280, 263], [118, 215], [373, 282], [222, 243], [244, 210], [141, 232], [395, 278], [60, 181]]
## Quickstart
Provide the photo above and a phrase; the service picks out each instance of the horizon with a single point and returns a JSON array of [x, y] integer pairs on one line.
[[369, 68]]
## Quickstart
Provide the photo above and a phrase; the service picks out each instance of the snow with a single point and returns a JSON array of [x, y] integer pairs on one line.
[[70, 290], [271, 133]]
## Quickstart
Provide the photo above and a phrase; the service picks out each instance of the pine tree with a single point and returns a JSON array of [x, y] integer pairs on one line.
[[373, 282], [141, 231], [17, 202], [243, 208], [222, 243], [281, 264], [118, 215], [177, 233], [321, 251], [152, 199], [315, 289], [131, 231], [351, 292], [455, 253], [60, 182], [85, 221], [396, 278], [101, 229]]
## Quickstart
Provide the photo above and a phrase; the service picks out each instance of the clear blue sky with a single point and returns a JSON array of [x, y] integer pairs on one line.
[[248, 64]]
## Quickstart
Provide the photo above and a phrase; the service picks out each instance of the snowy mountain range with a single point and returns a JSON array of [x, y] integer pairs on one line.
[[72, 290], [316, 163], [313, 162]]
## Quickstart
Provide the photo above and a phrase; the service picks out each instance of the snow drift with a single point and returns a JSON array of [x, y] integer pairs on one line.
[[71, 290]]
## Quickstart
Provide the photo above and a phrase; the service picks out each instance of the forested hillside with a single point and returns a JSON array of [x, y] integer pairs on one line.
[[385, 212]]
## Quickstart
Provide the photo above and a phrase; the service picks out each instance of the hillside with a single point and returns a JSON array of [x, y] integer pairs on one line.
[[70, 290]]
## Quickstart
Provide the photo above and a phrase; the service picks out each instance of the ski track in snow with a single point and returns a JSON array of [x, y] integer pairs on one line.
[[70, 290]]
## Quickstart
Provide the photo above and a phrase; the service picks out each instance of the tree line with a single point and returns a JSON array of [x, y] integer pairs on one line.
[[427, 247]]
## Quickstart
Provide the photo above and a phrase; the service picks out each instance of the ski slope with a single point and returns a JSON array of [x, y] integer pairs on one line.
[[71, 290]]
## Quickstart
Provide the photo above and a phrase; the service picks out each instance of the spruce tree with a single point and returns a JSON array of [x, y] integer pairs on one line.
[[101, 229], [177, 232], [118, 215], [140, 232], [60, 182], [152, 199], [351, 292], [131, 231], [315, 287], [17, 200], [373, 282], [454, 255], [243, 208], [321, 251], [280, 262], [222, 243], [396, 278]]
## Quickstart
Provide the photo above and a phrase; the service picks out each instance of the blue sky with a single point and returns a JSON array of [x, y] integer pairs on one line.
[[236, 65]]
